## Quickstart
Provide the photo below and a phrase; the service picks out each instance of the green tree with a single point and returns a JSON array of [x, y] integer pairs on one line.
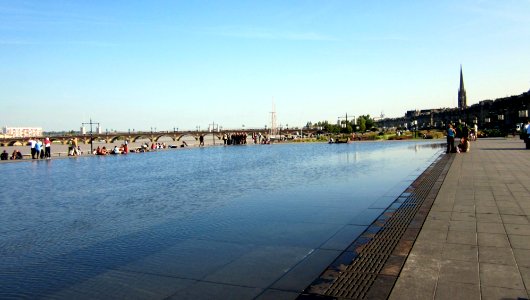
[[361, 122], [369, 122]]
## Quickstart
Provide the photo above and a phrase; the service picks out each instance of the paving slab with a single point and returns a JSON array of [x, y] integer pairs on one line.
[[475, 243]]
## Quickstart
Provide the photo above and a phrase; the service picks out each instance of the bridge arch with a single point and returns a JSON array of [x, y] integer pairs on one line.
[[193, 135], [16, 143], [118, 138], [140, 137], [159, 136]]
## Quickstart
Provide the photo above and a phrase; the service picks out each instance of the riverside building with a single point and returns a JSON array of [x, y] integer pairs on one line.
[[15, 132]]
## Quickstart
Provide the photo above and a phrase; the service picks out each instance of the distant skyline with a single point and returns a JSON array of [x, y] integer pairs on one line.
[[165, 64]]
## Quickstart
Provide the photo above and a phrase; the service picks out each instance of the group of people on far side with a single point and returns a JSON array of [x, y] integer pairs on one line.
[[461, 133], [40, 149]]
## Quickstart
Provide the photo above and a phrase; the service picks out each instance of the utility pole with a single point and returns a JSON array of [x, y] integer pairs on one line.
[[91, 135]]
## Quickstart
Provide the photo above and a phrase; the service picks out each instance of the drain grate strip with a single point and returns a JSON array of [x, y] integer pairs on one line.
[[369, 267]]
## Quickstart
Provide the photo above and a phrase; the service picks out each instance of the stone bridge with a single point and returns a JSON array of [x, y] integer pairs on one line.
[[151, 136]]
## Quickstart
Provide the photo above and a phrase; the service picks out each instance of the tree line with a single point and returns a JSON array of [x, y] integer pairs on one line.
[[361, 124]]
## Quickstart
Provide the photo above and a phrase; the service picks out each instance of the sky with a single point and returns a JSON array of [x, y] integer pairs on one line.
[[182, 64]]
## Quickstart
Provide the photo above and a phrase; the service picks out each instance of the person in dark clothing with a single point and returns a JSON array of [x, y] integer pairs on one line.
[[4, 155]]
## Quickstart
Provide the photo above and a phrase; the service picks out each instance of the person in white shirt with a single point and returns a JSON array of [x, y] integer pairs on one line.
[[32, 144]]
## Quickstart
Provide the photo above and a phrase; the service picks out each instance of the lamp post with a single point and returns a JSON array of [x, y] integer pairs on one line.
[[91, 135], [213, 131]]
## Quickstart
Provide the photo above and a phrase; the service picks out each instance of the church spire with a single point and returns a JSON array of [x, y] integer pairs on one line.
[[462, 99], [461, 80]]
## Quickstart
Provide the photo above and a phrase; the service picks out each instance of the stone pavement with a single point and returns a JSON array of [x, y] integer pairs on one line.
[[475, 242]]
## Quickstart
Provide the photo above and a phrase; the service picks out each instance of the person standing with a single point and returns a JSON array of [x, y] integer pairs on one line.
[[40, 153], [32, 144], [47, 148], [38, 147], [201, 140], [75, 147], [450, 139]]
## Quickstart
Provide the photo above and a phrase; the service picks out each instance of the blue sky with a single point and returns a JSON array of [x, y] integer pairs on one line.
[[165, 64]]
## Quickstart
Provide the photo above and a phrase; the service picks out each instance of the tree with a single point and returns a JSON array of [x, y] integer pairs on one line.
[[365, 122], [361, 122]]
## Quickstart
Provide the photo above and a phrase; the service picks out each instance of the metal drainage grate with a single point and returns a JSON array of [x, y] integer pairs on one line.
[[353, 274]]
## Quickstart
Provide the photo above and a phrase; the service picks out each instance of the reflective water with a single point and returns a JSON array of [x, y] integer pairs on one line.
[[184, 223]]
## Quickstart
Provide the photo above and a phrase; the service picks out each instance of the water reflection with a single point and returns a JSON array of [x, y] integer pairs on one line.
[[111, 213]]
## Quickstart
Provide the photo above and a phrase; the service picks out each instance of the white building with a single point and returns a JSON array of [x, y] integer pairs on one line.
[[22, 132]]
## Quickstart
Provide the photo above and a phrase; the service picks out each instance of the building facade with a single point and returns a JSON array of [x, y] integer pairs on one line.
[[22, 132]]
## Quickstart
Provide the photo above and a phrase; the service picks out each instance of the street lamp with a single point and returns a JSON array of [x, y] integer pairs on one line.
[[91, 136]]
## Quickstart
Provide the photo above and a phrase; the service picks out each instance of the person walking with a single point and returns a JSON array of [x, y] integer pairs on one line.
[[451, 139]]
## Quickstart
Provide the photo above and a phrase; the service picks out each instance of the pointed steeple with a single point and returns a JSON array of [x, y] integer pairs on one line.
[[462, 99], [461, 80]]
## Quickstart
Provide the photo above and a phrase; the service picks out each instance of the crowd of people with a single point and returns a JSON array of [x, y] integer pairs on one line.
[[240, 138], [236, 138], [461, 133], [123, 149], [41, 149]]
